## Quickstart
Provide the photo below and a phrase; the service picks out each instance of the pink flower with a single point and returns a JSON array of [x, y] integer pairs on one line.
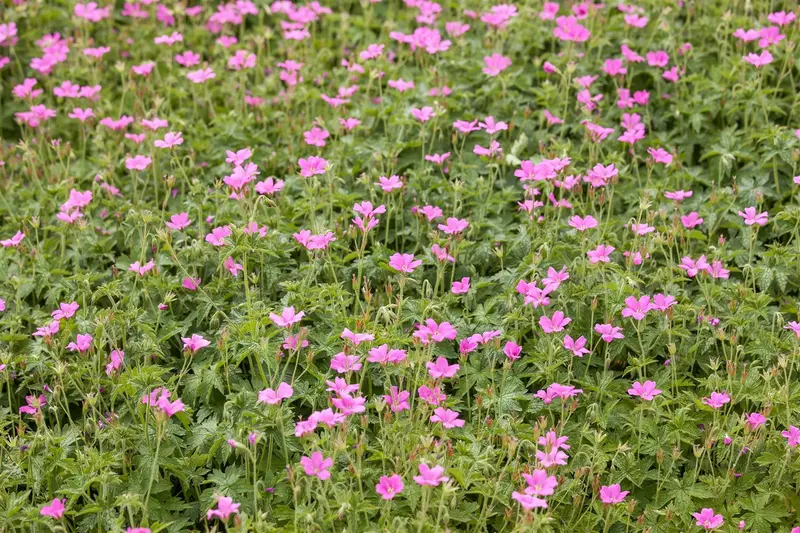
[[636, 308], [441, 369], [612, 494], [404, 263], [117, 357], [460, 287], [614, 67], [397, 400], [557, 390], [424, 114], [582, 224], [225, 508], [159, 400], [751, 217], [447, 417], [14, 241], [793, 326], [65, 311], [600, 254], [82, 343], [312, 166], [316, 136], [232, 266], [389, 487], [287, 318], [33, 404], [218, 235], [781, 18], [717, 399], [454, 226], [491, 126], [576, 346], [139, 162], [383, 354], [269, 186], [171, 139], [758, 60], [356, 338], [55, 510], [389, 184], [495, 64], [539, 483], [755, 420], [692, 267], [528, 502], [431, 331], [608, 332], [555, 324], [343, 363], [707, 519], [512, 350], [691, 220], [317, 466], [646, 391], [201, 75], [179, 221], [194, 343], [273, 397], [141, 269], [430, 476], [792, 436]]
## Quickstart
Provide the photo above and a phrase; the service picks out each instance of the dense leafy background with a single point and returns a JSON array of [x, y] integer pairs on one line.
[[729, 125]]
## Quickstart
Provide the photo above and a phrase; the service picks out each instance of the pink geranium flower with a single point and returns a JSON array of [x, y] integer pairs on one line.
[[646, 391], [495, 64], [194, 343], [404, 263], [225, 508], [317, 465], [55, 510], [389, 486], [707, 519], [430, 476], [612, 494], [287, 318], [273, 397]]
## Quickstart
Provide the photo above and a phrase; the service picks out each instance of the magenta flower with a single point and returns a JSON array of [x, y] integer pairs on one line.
[[179, 221], [349, 405], [612, 494], [529, 502], [273, 397], [317, 466], [343, 363], [33, 404], [751, 216], [608, 332], [557, 390], [397, 400], [430, 476], [171, 139], [707, 519], [495, 64], [600, 254], [390, 184], [225, 508], [389, 487], [312, 166], [287, 318], [539, 483], [65, 310], [555, 324], [82, 343], [717, 399], [441, 369], [636, 308], [512, 350], [758, 60], [447, 417], [159, 399], [383, 354], [14, 241], [404, 262], [55, 510], [754, 420], [431, 331], [792, 436], [194, 343], [646, 391], [454, 226], [460, 287], [139, 162], [424, 114], [576, 346], [583, 224], [218, 235]]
